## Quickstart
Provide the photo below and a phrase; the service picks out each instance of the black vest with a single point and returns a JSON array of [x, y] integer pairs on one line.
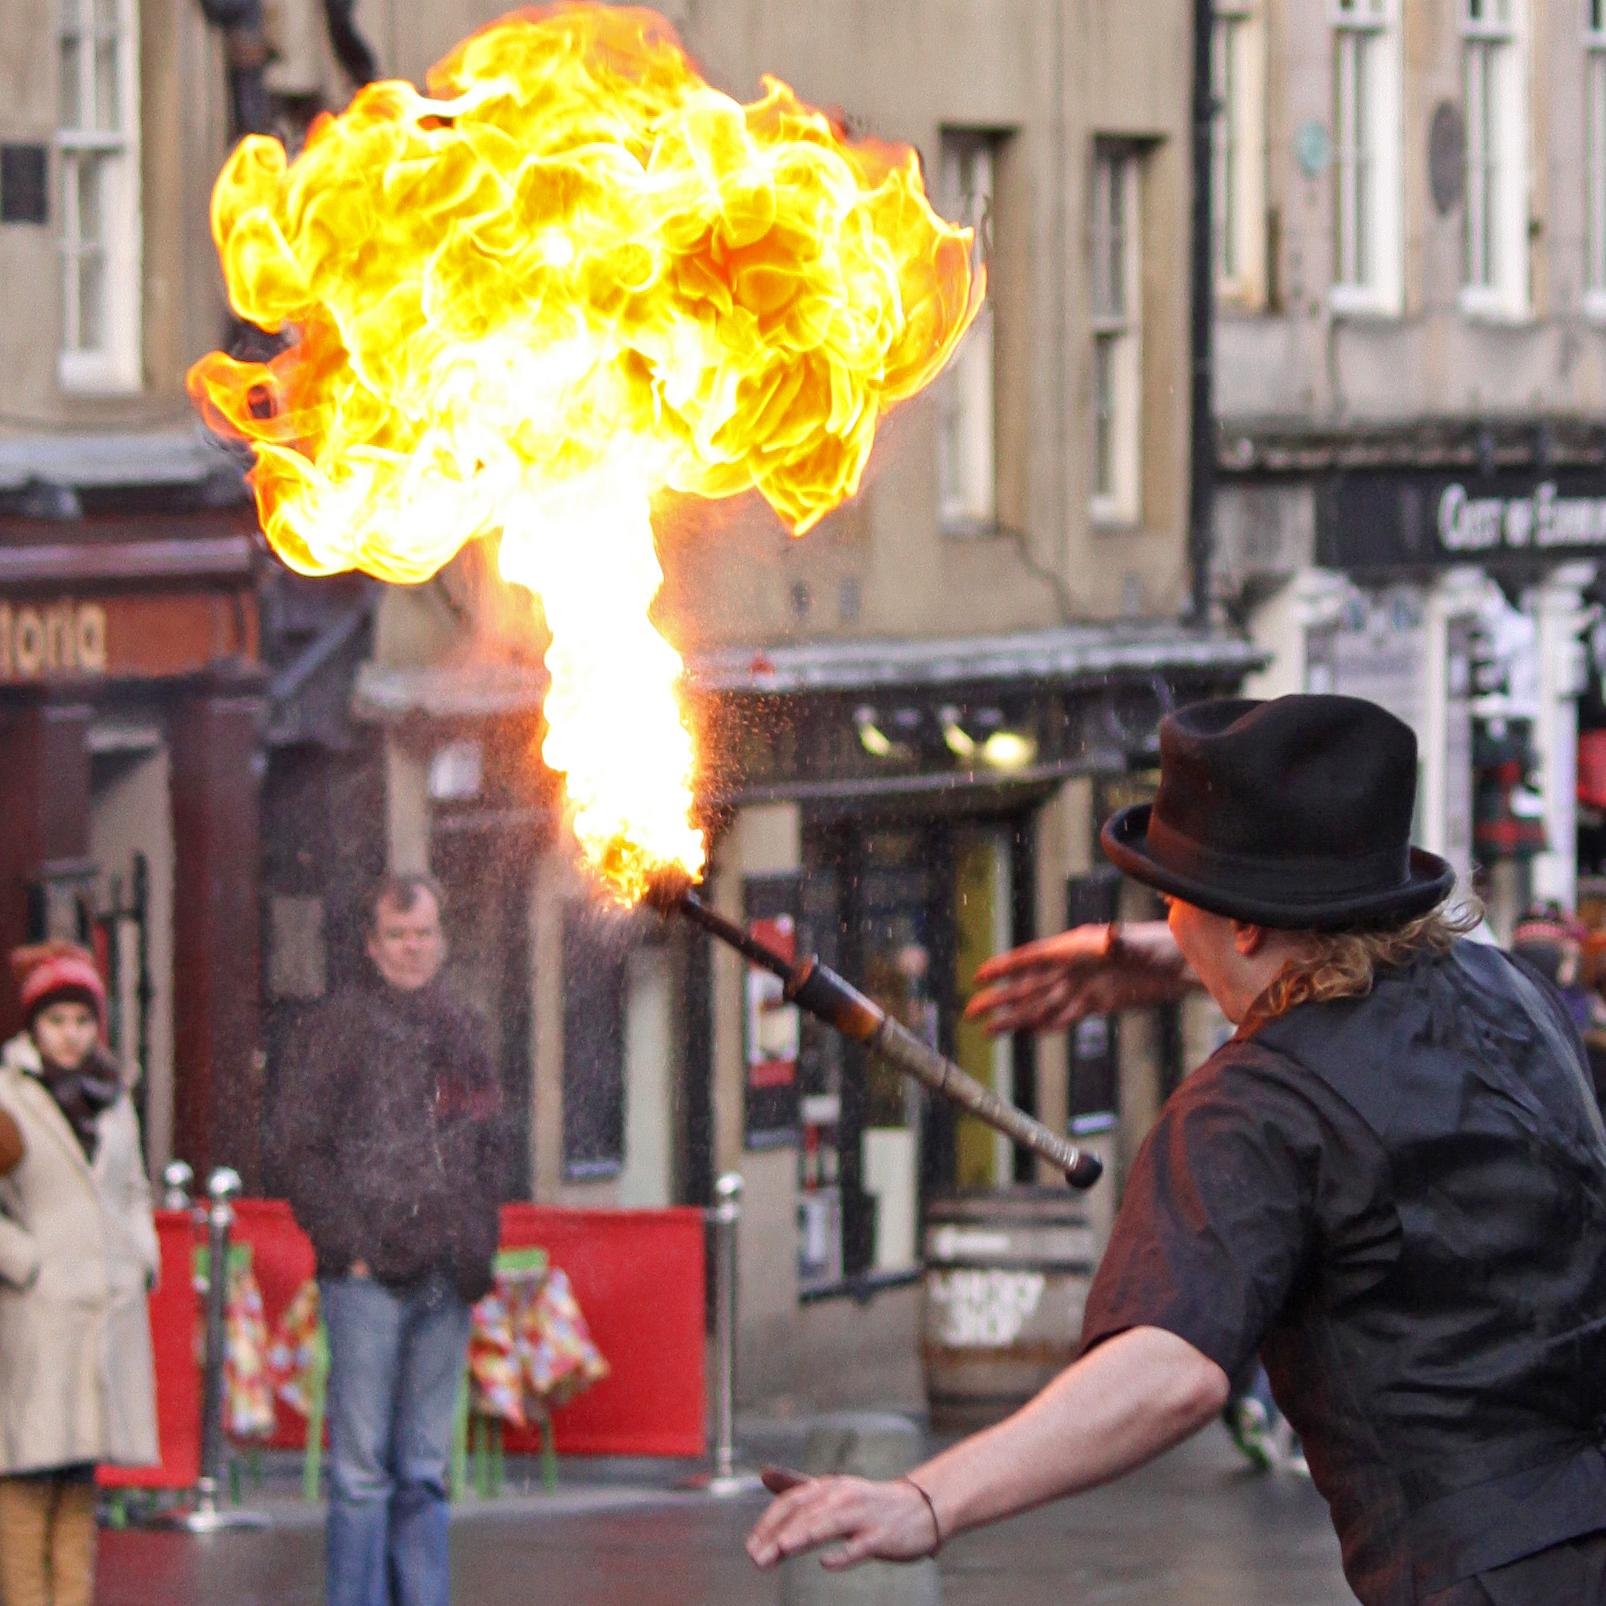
[[1454, 1409]]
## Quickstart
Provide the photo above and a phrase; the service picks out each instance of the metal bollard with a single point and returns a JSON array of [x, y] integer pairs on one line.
[[725, 1477], [207, 1515], [178, 1185]]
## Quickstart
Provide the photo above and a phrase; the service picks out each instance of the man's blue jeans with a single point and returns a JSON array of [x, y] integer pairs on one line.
[[396, 1362]]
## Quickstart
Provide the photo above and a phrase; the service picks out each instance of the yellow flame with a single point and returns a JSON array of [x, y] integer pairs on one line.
[[570, 278]]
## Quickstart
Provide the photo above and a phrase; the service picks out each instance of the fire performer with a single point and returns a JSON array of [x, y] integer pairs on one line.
[[1391, 1181]]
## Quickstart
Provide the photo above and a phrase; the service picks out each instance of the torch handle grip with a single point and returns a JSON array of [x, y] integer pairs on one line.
[[900, 1048], [819, 990]]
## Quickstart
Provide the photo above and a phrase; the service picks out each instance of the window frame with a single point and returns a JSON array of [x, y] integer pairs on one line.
[[88, 140], [967, 395], [1368, 218], [1116, 328], [1238, 169], [1502, 289]]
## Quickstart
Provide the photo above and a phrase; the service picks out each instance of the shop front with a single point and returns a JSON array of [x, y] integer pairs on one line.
[[904, 811], [130, 704], [1460, 599]]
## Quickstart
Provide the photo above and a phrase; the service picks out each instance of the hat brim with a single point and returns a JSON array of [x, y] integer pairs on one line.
[[1428, 883]]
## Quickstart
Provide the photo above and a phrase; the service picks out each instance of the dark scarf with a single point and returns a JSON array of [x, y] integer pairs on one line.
[[83, 1093]]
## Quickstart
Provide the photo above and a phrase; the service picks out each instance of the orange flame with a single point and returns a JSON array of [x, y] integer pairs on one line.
[[570, 278]]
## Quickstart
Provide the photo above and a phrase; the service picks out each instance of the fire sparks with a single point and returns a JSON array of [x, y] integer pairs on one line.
[[569, 279]]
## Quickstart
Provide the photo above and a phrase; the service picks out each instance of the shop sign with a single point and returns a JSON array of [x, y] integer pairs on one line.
[[140, 633], [1404, 520], [1478, 524], [52, 638], [978, 1309], [1377, 649]]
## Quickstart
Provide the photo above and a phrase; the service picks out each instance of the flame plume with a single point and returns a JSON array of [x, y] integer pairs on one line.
[[569, 279]]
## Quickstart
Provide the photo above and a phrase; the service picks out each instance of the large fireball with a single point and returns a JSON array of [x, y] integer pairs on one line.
[[570, 278]]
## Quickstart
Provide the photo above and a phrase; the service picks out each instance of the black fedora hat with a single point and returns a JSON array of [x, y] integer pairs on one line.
[[1293, 813]]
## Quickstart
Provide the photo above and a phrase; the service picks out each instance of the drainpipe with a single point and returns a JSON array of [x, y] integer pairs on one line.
[[1201, 343], [353, 52], [245, 57]]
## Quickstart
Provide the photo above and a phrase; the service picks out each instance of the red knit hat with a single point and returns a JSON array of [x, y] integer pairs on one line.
[[55, 972]]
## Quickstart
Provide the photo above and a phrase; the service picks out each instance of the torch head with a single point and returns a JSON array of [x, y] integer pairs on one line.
[[667, 889]]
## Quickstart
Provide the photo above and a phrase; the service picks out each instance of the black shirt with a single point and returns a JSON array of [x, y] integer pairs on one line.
[[1222, 1210], [1400, 1201]]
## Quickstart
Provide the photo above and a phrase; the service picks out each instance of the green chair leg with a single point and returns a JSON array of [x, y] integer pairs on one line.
[[549, 1454], [460, 1432], [495, 1432], [317, 1401]]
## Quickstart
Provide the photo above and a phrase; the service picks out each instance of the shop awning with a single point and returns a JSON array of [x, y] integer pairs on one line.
[[1060, 656], [107, 459], [386, 695]]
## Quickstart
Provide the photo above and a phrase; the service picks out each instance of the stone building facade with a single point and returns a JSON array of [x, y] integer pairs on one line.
[[1411, 368]]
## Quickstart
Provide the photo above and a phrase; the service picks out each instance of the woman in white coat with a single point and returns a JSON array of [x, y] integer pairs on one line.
[[77, 1256]]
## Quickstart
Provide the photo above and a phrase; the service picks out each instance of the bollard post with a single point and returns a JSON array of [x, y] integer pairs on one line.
[[724, 1477], [207, 1515], [178, 1185]]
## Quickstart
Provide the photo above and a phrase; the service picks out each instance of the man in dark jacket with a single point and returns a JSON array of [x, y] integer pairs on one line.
[[1391, 1182], [387, 1138]]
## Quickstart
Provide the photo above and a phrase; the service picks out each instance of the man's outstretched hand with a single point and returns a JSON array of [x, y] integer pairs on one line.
[[1050, 984], [858, 1519]]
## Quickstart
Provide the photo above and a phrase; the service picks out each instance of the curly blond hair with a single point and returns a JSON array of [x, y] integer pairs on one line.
[[1344, 964]]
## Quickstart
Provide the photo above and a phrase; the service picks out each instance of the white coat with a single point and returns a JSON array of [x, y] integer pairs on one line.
[[77, 1254]]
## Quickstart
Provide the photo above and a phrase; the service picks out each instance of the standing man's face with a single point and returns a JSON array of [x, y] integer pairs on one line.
[[406, 945]]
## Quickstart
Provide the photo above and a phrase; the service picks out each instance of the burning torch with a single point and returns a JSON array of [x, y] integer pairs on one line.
[[569, 280], [826, 996]]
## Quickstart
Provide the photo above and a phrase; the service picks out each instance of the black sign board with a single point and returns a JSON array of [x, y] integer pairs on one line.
[[1407, 521]]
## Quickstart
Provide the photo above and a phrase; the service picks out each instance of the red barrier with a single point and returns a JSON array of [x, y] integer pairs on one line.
[[638, 1276], [174, 1311], [282, 1261]]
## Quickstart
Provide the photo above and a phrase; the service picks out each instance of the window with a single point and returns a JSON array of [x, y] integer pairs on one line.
[[1366, 158], [97, 158], [966, 472], [596, 954], [1595, 115], [1238, 189], [1495, 255], [1117, 354]]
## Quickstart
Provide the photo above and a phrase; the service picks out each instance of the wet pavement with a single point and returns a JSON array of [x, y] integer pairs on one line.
[[1193, 1528]]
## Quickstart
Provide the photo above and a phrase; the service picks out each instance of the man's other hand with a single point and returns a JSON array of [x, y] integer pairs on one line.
[[859, 1520], [1050, 984]]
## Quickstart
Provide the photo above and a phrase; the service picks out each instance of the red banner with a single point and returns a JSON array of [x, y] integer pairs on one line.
[[174, 1311], [282, 1260], [638, 1276]]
